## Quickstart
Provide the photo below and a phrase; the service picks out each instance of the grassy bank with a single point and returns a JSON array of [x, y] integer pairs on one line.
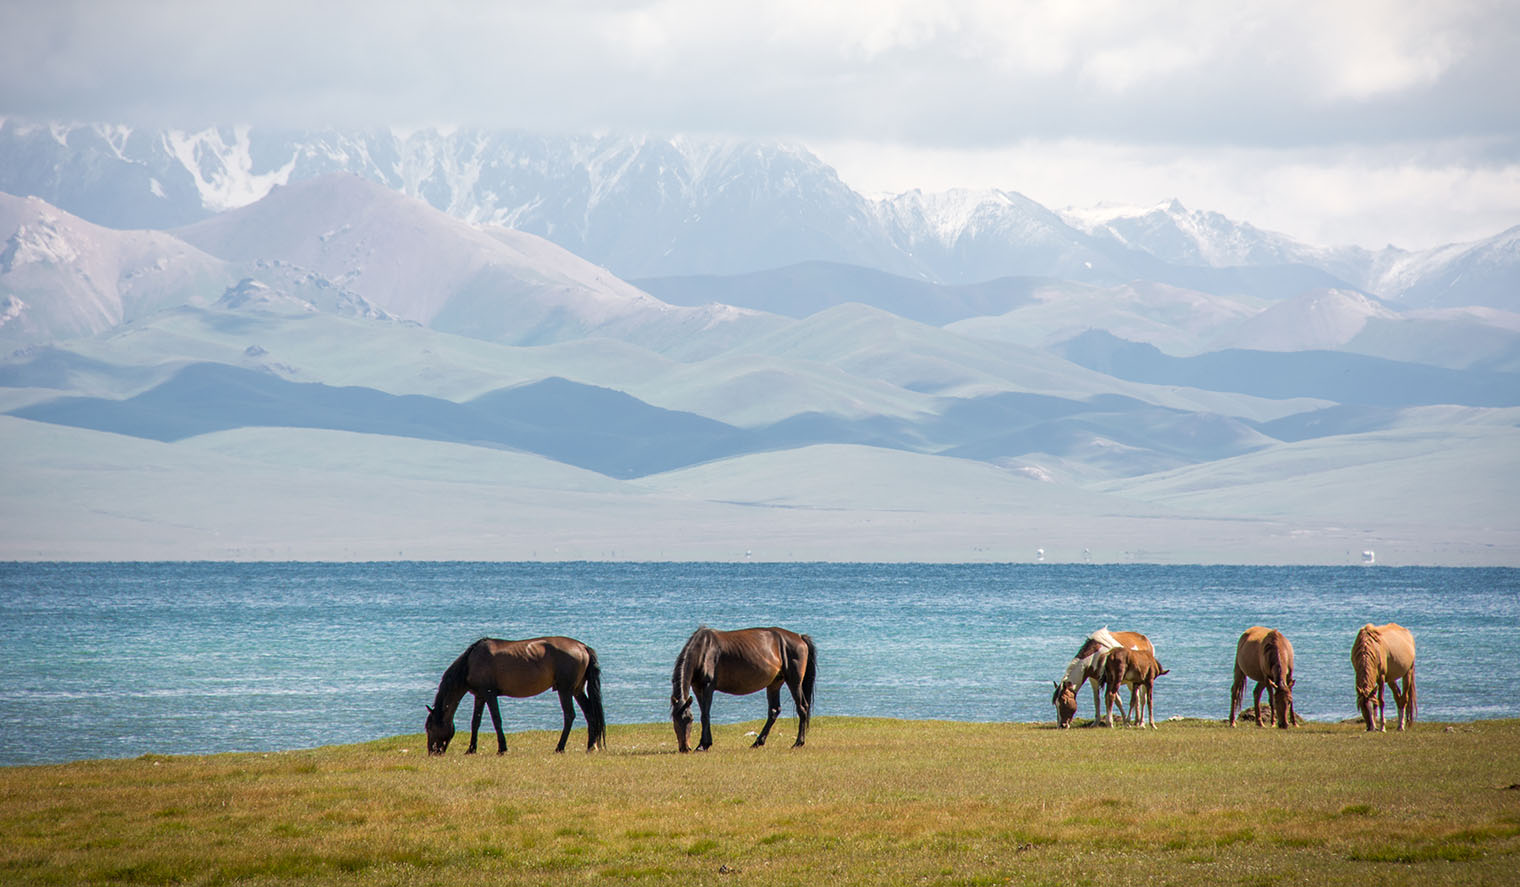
[[869, 801]]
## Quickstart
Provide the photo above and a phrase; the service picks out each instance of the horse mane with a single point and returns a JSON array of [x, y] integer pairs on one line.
[[453, 683], [1364, 652], [680, 678]]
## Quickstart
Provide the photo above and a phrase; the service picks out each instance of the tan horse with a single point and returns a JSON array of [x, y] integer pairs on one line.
[[1087, 665], [1138, 670], [490, 668], [1382, 654], [1264, 655], [742, 662]]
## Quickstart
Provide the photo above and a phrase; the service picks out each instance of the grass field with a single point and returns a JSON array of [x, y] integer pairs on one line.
[[868, 801]]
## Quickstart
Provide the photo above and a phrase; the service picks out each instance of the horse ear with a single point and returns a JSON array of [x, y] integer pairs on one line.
[[1056, 684], [428, 707]]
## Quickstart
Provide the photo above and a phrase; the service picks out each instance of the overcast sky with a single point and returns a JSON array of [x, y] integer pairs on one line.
[[1337, 122]]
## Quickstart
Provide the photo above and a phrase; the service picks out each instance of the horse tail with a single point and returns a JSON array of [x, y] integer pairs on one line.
[[810, 674], [597, 728]]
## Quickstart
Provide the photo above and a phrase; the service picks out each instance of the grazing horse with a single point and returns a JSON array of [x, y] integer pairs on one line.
[[490, 668], [1138, 670], [1087, 665], [1264, 655], [739, 663], [1382, 654]]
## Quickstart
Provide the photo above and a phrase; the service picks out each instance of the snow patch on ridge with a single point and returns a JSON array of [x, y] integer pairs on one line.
[[223, 170]]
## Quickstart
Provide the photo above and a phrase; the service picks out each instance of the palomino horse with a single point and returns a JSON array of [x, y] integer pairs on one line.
[[1138, 670], [1264, 655], [742, 662], [492, 668], [1381, 655], [1087, 665]]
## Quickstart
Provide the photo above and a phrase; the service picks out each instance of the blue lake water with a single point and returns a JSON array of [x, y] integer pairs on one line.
[[117, 660]]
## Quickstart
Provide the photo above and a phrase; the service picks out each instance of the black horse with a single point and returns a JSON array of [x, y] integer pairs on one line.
[[742, 662], [492, 668]]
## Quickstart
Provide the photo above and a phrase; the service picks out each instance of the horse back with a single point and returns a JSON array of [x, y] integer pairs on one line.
[[1134, 639], [528, 667], [1398, 649], [747, 660]]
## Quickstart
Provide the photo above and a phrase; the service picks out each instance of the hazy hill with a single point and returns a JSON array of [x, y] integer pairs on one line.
[[62, 277], [422, 265], [349, 353]]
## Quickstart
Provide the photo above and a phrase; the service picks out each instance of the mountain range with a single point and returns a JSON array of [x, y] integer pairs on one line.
[[242, 344]]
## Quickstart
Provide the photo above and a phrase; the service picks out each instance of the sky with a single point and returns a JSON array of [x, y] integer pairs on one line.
[[1368, 122]]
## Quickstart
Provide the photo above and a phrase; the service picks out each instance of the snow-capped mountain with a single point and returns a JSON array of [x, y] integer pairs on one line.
[[1485, 273], [645, 206], [963, 236]]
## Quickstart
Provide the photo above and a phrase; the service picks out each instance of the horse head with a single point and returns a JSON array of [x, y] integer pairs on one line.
[[680, 716], [1065, 701], [439, 731], [1282, 701]]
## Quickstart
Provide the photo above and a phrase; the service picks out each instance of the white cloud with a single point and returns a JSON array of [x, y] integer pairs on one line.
[[1275, 80]]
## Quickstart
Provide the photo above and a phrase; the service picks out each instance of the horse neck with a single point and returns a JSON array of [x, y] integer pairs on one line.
[[1366, 656], [1273, 655], [680, 678], [1076, 672], [453, 685]]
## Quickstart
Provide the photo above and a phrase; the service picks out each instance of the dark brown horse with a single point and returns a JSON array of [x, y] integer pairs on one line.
[[492, 668], [1264, 655], [742, 662], [1381, 654]]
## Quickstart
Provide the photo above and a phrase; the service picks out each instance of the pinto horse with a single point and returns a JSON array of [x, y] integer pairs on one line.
[[490, 668], [1264, 655], [1087, 665], [742, 662], [1382, 654], [1138, 670]]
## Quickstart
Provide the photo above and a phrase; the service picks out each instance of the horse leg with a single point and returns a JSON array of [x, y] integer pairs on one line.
[[1237, 693], [1401, 699], [480, 707], [1097, 706], [568, 707], [804, 713], [704, 699], [772, 711], [1256, 701], [1382, 719], [582, 700], [501, 738]]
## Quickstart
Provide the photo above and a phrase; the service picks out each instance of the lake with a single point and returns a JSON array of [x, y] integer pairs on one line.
[[122, 659]]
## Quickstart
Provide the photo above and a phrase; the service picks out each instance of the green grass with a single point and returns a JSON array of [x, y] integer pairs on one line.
[[868, 801]]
